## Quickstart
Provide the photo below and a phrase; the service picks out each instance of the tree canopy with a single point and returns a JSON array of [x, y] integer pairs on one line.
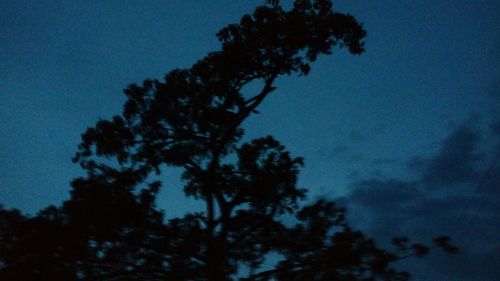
[[111, 227]]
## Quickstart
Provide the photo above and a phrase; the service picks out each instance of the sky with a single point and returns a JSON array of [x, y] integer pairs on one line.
[[407, 135]]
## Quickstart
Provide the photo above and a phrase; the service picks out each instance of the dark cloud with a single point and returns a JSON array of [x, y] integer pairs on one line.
[[356, 137], [393, 207], [375, 201], [490, 180], [495, 128], [334, 153], [354, 175], [382, 161], [466, 266], [494, 90], [355, 157], [373, 193], [338, 150], [416, 163], [451, 193], [455, 161], [378, 129]]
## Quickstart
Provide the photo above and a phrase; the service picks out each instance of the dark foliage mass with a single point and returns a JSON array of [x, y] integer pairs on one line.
[[111, 229]]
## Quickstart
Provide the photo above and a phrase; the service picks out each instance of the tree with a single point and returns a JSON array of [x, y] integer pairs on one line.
[[111, 228]]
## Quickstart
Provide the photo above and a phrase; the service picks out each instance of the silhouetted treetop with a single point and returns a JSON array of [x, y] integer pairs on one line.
[[193, 111]]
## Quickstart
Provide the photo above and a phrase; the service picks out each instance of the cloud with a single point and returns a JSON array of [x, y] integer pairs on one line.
[[339, 153], [377, 162], [356, 137], [454, 192], [495, 128], [373, 192], [494, 90], [455, 161], [338, 150], [380, 204]]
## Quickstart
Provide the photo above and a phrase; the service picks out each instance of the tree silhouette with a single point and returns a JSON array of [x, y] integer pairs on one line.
[[111, 228]]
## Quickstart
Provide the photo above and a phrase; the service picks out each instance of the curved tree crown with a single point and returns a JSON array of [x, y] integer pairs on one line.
[[193, 119]]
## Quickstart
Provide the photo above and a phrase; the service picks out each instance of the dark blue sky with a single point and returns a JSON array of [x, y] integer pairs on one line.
[[403, 133]]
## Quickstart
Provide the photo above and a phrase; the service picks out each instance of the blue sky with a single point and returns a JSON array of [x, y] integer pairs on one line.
[[414, 121]]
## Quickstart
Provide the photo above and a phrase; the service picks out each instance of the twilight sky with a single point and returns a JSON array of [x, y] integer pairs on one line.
[[407, 134]]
